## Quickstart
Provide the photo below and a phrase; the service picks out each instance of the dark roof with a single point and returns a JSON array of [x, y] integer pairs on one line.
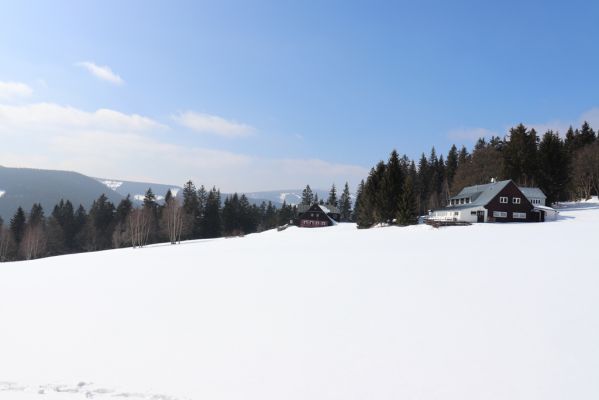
[[481, 195], [532, 192]]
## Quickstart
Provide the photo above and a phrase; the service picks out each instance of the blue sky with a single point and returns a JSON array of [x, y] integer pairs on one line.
[[276, 94]]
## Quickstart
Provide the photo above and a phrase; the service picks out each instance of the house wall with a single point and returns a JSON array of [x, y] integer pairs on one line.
[[313, 218], [511, 191], [464, 215]]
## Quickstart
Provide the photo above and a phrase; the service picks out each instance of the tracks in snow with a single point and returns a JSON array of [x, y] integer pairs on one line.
[[82, 390]]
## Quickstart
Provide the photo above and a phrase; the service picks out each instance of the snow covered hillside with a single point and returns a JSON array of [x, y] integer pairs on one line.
[[489, 311]]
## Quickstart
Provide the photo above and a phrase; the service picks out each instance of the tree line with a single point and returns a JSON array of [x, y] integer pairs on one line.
[[399, 190], [196, 214]]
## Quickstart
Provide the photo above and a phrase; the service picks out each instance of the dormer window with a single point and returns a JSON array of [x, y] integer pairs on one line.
[[516, 200], [503, 200]]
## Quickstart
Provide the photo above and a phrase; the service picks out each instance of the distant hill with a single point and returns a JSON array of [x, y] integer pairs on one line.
[[137, 190], [26, 186], [290, 196]]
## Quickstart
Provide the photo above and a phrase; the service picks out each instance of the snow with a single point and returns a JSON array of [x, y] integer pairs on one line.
[[141, 197], [113, 185], [290, 198], [2, 193], [488, 311]]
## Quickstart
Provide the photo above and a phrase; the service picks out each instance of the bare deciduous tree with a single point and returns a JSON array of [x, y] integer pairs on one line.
[[34, 241], [586, 171], [139, 227], [173, 220]]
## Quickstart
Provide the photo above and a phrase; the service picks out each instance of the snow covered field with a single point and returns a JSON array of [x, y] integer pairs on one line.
[[489, 311]]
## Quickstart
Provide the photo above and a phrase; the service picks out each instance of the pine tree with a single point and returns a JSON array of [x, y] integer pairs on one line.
[[520, 155], [406, 214], [332, 200], [362, 210], [121, 236], [80, 236], [586, 135], [192, 213], [345, 204], [307, 196], [101, 220], [423, 184], [554, 167], [451, 165], [211, 223], [286, 214], [391, 188], [34, 239], [17, 225]]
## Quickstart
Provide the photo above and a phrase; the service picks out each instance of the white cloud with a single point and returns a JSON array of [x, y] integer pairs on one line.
[[12, 90], [110, 144], [42, 117], [212, 124], [102, 72]]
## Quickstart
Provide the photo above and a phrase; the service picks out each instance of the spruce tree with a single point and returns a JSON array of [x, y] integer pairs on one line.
[[451, 165], [345, 204], [554, 167], [307, 196], [406, 213], [332, 200], [101, 219], [520, 155], [586, 135], [192, 214], [363, 214], [390, 188], [17, 225], [211, 223]]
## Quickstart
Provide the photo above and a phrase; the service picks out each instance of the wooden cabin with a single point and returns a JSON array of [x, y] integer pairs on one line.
[[317, 216], [501, 201]]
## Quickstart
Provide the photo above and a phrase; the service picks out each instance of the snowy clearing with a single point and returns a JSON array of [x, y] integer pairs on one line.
[[489, 311]]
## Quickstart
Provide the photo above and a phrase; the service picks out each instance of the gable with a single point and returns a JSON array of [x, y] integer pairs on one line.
[[510, 191]]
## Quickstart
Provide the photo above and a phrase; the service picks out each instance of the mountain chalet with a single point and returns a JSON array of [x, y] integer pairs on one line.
[[501, 201]]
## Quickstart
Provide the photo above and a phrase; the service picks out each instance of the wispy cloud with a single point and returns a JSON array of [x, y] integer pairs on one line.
[[109, 143], [13, 90], [212, 124], [39, 117], [102, 72]]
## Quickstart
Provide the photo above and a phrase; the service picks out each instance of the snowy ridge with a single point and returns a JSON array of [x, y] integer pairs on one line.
[[141, 197], [291, 198], [113, 185], [82, 390]]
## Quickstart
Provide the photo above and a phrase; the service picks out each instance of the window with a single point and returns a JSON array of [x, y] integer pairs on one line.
[[503, 200], [518, 215], [516, 200], [500, 214], [456, 214]]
